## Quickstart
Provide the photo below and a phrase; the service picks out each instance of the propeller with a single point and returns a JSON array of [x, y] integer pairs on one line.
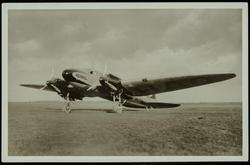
[[94, 86], [44, 87], [104, 79], [52, 72], [51, 77], [97, 83], [105, 70]]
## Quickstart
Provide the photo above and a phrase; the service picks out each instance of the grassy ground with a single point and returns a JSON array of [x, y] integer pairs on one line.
[[41, 128]]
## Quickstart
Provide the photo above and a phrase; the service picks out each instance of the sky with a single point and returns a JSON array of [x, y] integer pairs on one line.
[[133, 43]]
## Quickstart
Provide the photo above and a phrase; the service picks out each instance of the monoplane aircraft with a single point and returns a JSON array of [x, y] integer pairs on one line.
[[77, 84]]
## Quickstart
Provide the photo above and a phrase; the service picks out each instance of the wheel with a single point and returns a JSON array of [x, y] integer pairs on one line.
[[148, 108], [67, 108], [117, 108]]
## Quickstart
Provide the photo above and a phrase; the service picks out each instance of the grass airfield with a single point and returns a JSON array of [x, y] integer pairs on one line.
[[42, 129]]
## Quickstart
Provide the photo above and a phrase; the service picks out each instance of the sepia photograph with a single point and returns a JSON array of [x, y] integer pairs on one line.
[[125, 82]]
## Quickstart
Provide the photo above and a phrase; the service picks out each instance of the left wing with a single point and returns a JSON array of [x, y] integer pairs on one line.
[[153, 86], [36, 86]]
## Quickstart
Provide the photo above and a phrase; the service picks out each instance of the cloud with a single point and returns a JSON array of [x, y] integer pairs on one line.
[[26, 46], [201, 26], [25, 49], [133, 43]]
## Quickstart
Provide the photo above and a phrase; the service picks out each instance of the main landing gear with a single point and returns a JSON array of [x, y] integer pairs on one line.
[[66, 106], [149, 108], [117, 108]]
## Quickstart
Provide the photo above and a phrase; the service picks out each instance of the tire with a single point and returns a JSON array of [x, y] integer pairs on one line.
[[67, 108], [117, 108]]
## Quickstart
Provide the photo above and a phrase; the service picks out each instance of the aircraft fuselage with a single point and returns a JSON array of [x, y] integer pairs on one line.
[[106, 87]]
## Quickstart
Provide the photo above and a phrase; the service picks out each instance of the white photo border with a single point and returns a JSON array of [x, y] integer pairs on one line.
[[50, 6]]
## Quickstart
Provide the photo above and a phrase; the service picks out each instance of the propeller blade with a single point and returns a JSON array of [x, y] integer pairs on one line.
[[105, 70], [58, 90], [52, 72], [92, 88], [43, 87], [92, 65]]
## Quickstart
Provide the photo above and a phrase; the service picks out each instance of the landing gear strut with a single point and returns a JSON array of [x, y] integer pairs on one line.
[[66, 107], [117, 108]]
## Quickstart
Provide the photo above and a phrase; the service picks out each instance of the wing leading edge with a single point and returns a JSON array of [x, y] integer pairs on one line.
[[36, 86], [154, 86]]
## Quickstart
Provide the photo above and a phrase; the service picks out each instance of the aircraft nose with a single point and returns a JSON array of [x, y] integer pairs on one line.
[[67, 74]]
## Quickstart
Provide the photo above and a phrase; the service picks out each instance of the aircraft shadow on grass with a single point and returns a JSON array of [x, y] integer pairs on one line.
[[88, 109]]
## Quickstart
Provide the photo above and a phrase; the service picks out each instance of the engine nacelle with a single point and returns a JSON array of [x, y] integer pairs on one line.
[[111, 83], [64, 89], [108, 84]]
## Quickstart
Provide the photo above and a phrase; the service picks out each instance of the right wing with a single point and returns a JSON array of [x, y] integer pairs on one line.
[[146, 87], [36, 86]]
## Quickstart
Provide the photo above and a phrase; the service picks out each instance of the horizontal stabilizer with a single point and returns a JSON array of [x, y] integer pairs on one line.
[[163, 105]]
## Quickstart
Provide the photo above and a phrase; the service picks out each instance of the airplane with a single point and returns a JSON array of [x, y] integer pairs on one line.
[[77, 84]]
